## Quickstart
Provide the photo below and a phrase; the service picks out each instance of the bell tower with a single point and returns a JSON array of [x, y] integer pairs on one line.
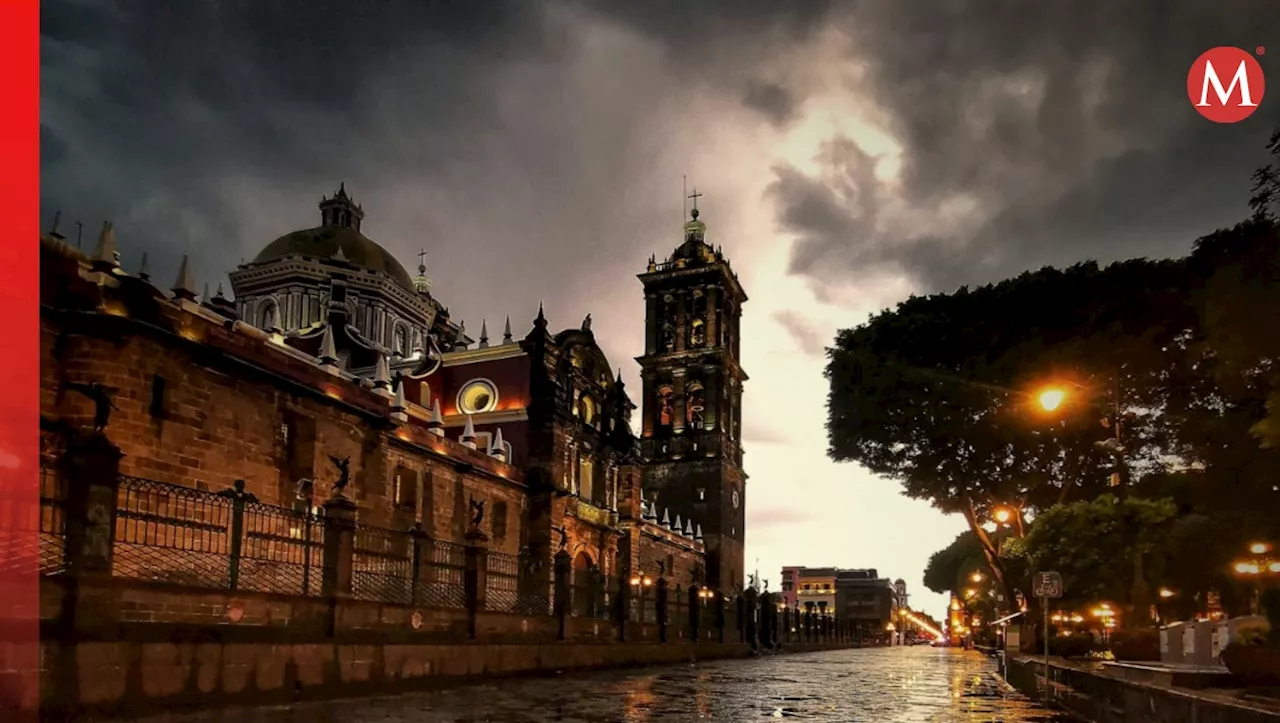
[[691, 439]]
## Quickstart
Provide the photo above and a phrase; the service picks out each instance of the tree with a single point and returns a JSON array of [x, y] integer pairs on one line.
[[1093, 543], [937, 392], [949, 566]]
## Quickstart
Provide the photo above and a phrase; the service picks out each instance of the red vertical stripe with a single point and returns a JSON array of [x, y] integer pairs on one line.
[[19, 370]]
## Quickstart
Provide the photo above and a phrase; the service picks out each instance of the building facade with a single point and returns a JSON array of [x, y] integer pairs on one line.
[[862, 596], [333, 366]]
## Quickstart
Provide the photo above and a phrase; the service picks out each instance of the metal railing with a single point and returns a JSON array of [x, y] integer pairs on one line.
[[516, 584], [169, 533], [382, 568]]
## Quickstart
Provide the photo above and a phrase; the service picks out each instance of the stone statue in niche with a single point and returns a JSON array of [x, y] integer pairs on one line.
[[477, 512], [564, 539], [101, 398]]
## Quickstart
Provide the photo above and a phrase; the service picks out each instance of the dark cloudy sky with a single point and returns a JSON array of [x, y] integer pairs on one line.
[[851, 153]]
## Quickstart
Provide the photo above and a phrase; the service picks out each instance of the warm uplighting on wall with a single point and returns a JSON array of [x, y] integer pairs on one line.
[[1166, 593], [1259, 548]]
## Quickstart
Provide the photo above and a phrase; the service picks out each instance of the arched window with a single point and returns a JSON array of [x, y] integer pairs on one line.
[[267, 315], [666, 412], [698, 323], [587, 410], [400, 341], [424, 395], [695, 405]]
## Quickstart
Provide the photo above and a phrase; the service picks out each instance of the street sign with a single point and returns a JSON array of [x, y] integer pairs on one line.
[[1048, 584]]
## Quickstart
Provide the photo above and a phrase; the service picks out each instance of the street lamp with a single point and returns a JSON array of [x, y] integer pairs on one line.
[[1260, 566], [1050, 399], [976, 577], [640, 584]]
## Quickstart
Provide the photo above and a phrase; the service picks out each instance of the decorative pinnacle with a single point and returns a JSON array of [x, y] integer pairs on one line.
[[184, 287], [484, 334], [506, 331], [142, 268]]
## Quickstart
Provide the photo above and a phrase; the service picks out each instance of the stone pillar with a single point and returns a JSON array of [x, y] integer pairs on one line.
[[475, 575], [662, 609], [622, 607], [649, 405], [695, 612], [339, 545], [679, 402], [562, 566], [751, 607], [720, 616], [682, 320], [713, 316], [91, 470], [651, 324], [422, 568]]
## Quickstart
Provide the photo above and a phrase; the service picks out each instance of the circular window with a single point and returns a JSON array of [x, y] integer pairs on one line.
[[477, 396]]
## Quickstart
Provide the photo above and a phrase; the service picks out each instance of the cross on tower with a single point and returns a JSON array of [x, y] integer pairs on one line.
[[422, 263], [695, 196]]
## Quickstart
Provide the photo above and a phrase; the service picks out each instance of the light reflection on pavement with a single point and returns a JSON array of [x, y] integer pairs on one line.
[[876, 685]]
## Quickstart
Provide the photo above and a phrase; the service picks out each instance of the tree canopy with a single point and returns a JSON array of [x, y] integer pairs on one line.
[[939, 394]]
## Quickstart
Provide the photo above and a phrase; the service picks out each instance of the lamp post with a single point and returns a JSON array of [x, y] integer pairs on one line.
[[1050, 400], [640, 584], [1259, 566]]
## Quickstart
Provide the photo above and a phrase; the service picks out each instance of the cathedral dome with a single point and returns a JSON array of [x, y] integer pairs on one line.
[[326, 241], [339, 232]]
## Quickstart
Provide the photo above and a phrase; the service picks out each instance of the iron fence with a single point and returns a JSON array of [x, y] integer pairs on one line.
[[441, 581], [175, 534], [593, 595], [516, 584], [382, 568], [281, 551]]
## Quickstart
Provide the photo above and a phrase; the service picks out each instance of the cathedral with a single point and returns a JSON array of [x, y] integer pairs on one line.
[[329, 352]]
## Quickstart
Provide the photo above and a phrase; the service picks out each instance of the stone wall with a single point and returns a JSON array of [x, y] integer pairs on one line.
[[194, 407], [135, 647], [1103, 698]]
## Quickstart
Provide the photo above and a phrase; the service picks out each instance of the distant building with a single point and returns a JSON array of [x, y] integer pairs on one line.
[[861, 595]]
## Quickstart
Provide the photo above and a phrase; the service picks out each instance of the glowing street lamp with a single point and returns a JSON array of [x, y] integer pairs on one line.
[[1261, 565], [976, 577], [1050, 399]]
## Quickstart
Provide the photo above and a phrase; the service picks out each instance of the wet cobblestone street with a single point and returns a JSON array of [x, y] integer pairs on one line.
[[880, 685]]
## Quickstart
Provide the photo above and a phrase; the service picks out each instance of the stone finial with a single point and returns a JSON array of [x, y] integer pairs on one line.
[[382, 375], [185, 286], [652, 515], [484, 334], [105, 255], [688, 529], [498, 450], [460, 340], [328, 352], [218, 294], [204, 295], [540, 321], [666, 518], [399, 405], [435, 422], [677, 526], [142, 269], [586, 323], [506, 331], [697, 534], [468, 437]]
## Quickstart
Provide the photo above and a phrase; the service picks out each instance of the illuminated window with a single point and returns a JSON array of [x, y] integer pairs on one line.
[[587, 407], [666, 412], [477, 396]]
